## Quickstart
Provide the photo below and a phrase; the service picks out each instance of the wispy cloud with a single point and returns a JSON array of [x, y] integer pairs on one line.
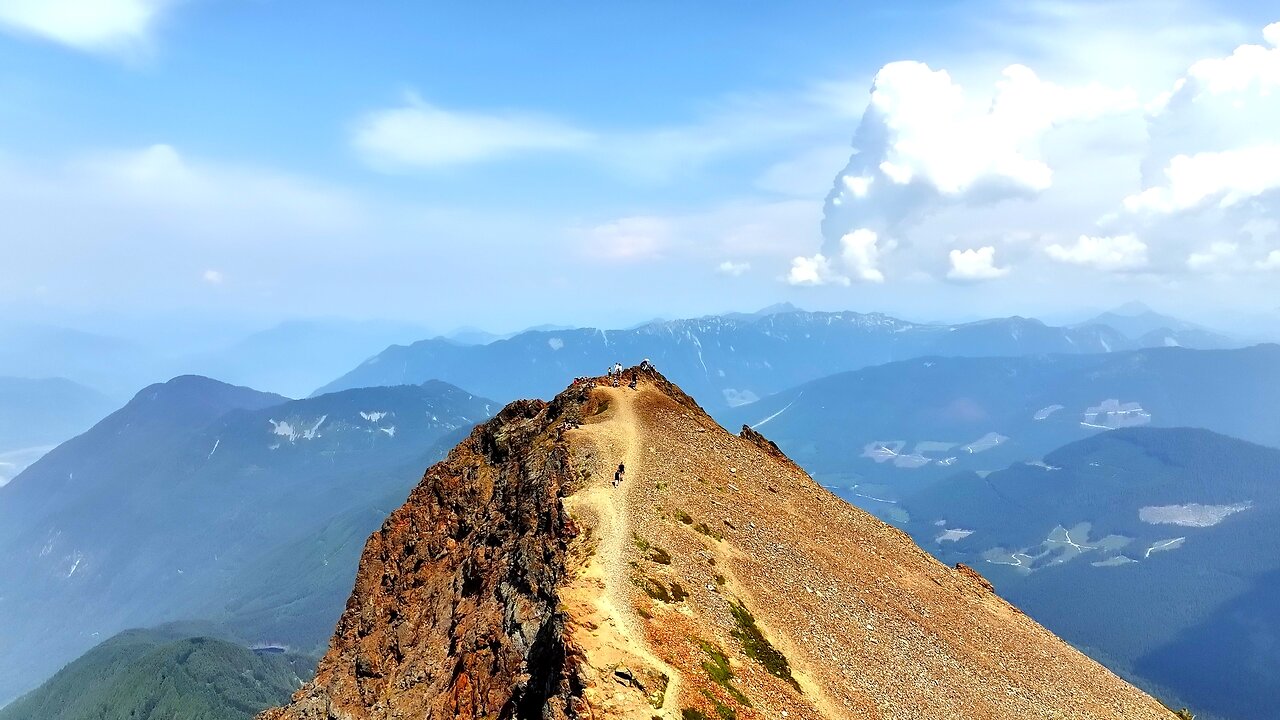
[[419, 135], [100, 26]]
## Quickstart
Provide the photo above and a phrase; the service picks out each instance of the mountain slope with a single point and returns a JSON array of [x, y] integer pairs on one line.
[[160, 674], [199, 488], [717, 580], [1164, 535], [726, 360], [36, 414]]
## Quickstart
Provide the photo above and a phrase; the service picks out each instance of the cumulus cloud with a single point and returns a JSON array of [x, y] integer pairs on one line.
[[924, 144], [814, 270], [860, 251], [419, 135], [1121, 252], [733, 269], [1212, 165], [212, 277], [92, 25], [975, 265]]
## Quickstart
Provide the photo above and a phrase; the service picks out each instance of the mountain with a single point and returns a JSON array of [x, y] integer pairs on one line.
[[115, 366], [1152, 547], [36, 414], [292, 358], [200, 500], [880, 433], [725, 360], [1151, 329], [717, 580], [160, 674]]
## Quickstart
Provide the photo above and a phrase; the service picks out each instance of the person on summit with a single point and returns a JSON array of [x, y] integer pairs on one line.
[[618, 475], [645, 364]]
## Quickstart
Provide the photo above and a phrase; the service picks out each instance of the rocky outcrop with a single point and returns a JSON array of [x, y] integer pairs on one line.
[[454, 612]]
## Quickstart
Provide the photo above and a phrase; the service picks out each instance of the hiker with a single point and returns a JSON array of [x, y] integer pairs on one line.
[[634, 377], [617, 476], [645, 364]]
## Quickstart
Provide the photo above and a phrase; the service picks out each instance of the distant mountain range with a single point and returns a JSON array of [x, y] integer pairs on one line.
[[725, 361], [883, 432], [36, 414], [166, 673], [1152, 548], [1149, 328], [233, 505]]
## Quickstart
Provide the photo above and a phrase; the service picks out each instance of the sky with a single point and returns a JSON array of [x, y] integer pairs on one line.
[[508, 164]]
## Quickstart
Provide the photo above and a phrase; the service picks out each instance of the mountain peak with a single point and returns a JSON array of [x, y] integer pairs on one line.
[[526, 577]]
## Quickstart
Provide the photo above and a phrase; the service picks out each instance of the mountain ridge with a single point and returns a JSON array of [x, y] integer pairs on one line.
[[521, 579]]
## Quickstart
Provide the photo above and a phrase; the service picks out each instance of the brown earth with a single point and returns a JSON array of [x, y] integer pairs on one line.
[[717, 581]]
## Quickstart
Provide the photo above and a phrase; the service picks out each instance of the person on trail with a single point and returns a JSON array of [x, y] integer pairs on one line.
[[645, 364], [617, 476], [634, 377]]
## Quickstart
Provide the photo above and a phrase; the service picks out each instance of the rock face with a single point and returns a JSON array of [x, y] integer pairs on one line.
[[717, 580]]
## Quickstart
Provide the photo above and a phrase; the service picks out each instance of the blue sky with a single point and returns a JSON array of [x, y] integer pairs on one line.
[[507, 164]]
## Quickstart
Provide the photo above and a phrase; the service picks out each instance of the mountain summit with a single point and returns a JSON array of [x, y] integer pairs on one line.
[[521, 580]]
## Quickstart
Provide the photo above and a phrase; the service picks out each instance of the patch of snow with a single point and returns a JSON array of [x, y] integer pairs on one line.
[[1163, 545], [374, 416], [286, 430], [1042, 464], [1111, 414], [555, 343], [75, 565], [216, 443], [793, 402], [1191, 514], [986, 442], [390, 431], [1116, 561], [1044, 412], [953, 535]]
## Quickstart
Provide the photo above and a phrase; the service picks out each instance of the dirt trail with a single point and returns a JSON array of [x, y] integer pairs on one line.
[[605, 583]]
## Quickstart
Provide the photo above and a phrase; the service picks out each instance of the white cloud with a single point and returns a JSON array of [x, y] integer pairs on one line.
[[1117, 253], [628, 239], [974, 265], [814, 270], [1214, 257], [1226, 178], [861, 254], [212, 277], [1270, 262], [419, 135], [93, 25], [733, 269], [924, 145]]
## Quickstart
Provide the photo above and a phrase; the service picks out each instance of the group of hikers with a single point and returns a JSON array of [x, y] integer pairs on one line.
[[615, 372]]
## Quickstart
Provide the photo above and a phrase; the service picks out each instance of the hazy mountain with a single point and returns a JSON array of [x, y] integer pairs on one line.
[[519, 580], [882, 431], [1151, 329], [115, 366], [294, 357], [1151, 547], [724, 361], [162, 674], [179, 504], [37, 414]]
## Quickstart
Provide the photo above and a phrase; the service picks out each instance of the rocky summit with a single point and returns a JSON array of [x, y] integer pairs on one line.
[[521, 579]]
